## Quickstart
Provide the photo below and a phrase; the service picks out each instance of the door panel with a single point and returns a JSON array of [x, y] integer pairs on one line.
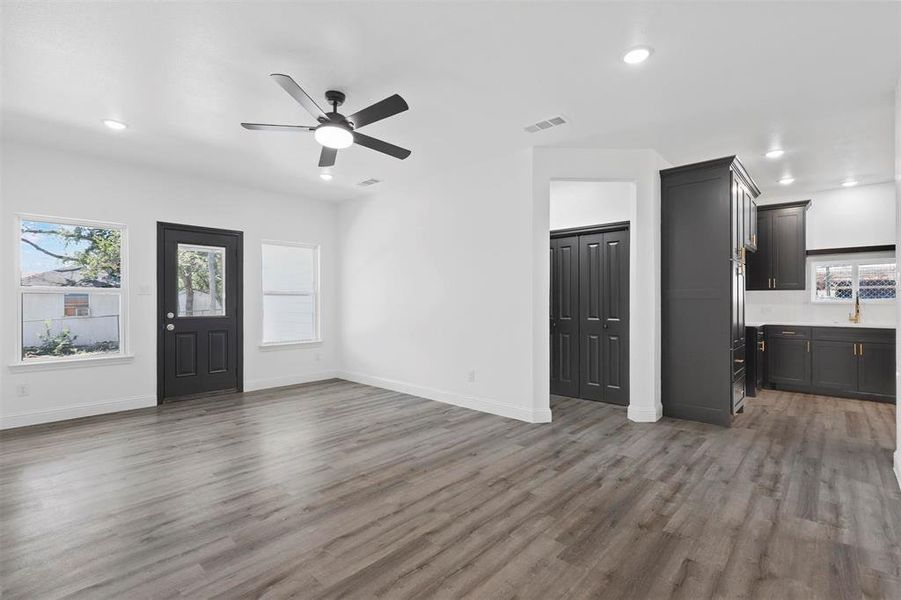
[[834, 365], [788, 361], [760, 262], [789, 247], [564, 316], [876, 368], [604, 282], [199, 282], [615, 317], [591, 326]]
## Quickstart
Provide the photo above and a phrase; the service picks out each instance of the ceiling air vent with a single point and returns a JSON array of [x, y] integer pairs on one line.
[[369, 182], [546, 124]]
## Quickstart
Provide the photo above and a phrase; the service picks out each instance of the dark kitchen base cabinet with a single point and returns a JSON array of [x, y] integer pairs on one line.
[[832, 361]]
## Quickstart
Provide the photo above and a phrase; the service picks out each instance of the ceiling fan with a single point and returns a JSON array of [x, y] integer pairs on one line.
[[335, 131]]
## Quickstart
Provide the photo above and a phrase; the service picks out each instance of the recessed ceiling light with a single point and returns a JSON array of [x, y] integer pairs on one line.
[[116, 125], [849, 183], [787, 180], [775, 153], [637, 55], [325, 176]]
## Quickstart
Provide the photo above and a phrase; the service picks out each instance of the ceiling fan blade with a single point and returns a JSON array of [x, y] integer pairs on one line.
[[327, 157], [296, 92], [378, 111], [267, 127], [380, 146]]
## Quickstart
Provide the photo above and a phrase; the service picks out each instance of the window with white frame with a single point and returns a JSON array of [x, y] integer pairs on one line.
[[70, 283], [841, 280], [290, 293]]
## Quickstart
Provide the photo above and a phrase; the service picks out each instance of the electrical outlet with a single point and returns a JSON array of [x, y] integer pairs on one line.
[[472, 376], [23, 390]]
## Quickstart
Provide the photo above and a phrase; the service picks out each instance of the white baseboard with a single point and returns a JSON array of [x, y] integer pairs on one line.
[[74, 412], [471, 402], [898, 466], [640, 414], [253, 385]]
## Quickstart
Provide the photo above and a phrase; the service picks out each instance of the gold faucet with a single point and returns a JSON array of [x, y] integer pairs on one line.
[[854, 317]]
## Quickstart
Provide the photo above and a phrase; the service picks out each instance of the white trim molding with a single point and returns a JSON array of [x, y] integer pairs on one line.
[[898, 466], [640, 414], [486, 405], [254, 385], [75, 412]]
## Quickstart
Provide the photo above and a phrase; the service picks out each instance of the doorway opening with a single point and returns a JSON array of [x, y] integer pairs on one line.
[[589, 284], [200, 311]]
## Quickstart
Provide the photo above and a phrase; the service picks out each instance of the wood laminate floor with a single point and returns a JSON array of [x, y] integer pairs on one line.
[[342, 490]]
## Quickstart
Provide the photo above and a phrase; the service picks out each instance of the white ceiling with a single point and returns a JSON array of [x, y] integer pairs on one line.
[[725, 78]]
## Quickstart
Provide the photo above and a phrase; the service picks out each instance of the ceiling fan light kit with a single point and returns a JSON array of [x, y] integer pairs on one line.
[[335, 131]]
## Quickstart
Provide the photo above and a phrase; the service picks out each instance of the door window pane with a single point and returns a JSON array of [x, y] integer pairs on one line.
[[877, 282], [834, 282], [201, 281], [48, 330]]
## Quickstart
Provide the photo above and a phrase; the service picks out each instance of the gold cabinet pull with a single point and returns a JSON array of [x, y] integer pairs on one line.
[[861, 349], [855, 349], [808, 345]]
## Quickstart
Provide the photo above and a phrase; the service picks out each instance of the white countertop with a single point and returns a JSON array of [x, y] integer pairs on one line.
[[846, 323]]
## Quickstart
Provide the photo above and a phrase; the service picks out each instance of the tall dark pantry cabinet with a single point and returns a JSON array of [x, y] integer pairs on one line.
[[708, 226]]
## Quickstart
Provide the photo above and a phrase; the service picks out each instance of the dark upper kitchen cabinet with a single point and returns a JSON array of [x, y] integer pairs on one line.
[[747, 209], [752, 226], [705, 210], [781, 257], [788, 362]]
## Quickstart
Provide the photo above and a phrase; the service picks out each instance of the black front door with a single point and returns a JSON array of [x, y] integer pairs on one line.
[[199, 284]]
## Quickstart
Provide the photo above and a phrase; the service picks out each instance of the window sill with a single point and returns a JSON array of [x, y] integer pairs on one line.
[[71, 363], [288, 345]]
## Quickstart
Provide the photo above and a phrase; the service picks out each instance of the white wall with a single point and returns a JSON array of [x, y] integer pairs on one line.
[[898, 238], [49, 182], [846, 217], [449, 277], [842, 218], [436, 287], [642, 168], [583, 203]]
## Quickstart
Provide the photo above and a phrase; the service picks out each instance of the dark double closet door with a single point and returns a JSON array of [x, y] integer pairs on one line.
[[590, 316]]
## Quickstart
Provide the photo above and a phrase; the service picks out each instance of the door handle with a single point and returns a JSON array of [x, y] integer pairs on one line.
[[861, 349], [855, 349], [170, 327]]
